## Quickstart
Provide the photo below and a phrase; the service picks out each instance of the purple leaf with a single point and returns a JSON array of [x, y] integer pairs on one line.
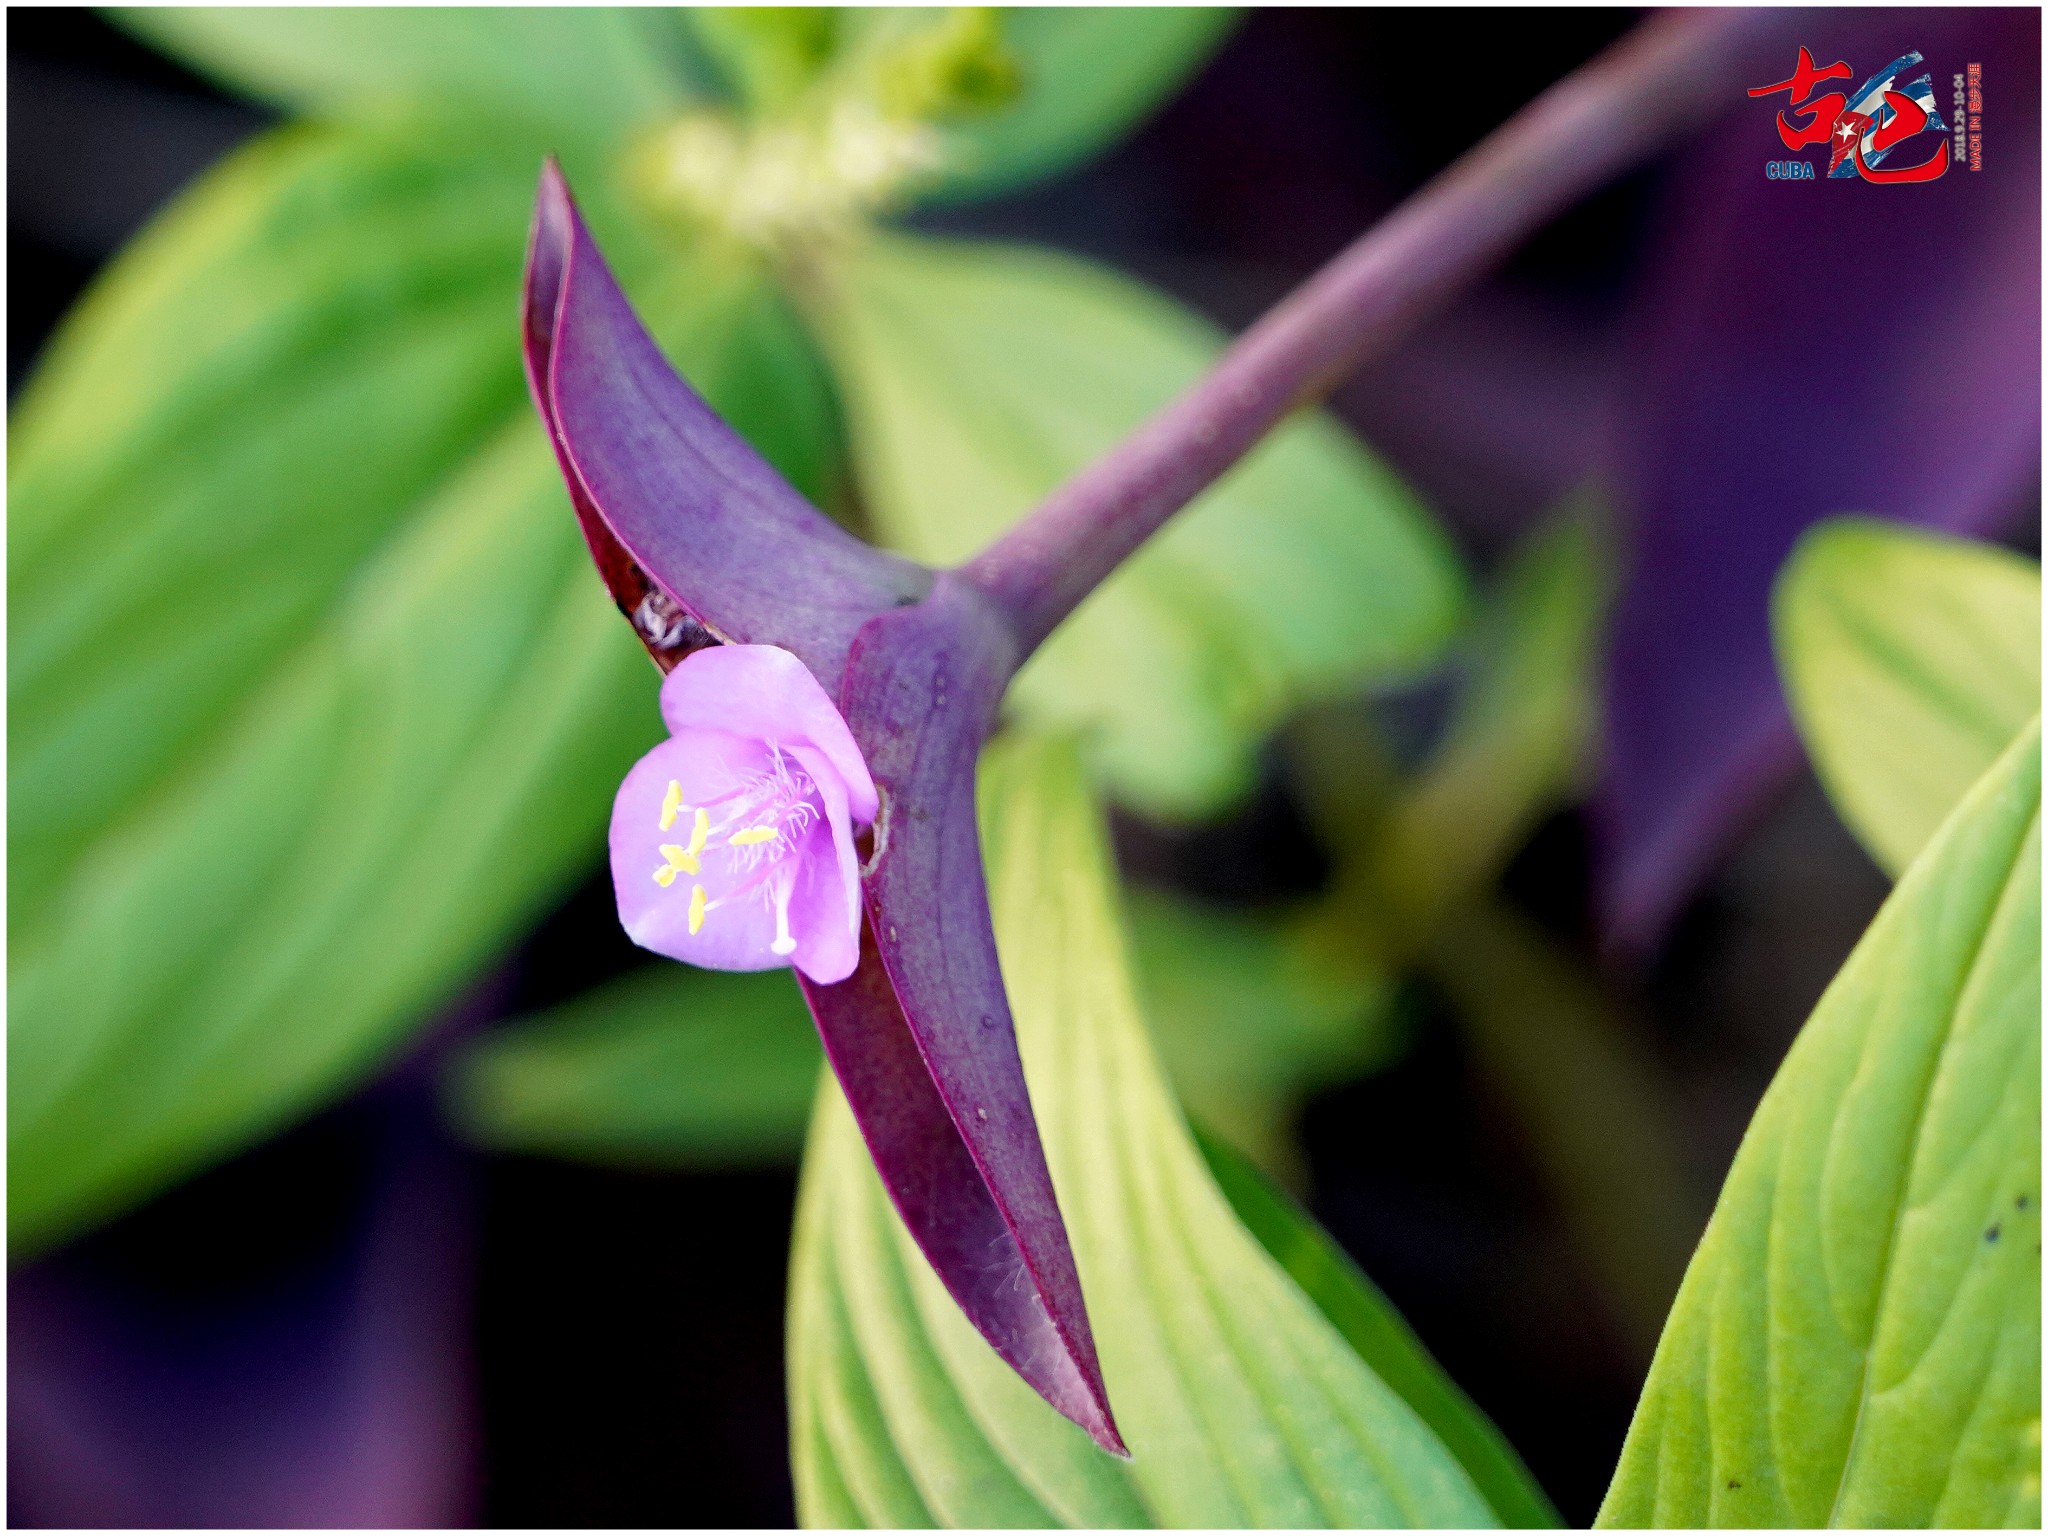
[[922, 691], [694, 532], [1805, 349], [701, 541]]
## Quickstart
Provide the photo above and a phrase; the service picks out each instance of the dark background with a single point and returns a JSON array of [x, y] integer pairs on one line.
[[610, 1343]]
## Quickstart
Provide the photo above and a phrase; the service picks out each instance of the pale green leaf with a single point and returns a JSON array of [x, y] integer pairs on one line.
[[1911, 659], [1089, 74], [313, 697], [590, 72], [237, 415], [1858, 1339], [669, 1066], [1241, 1402], [1371, 1326], [978, 377]]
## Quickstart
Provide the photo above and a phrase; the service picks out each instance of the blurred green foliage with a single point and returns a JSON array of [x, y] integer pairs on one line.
[[666, 1066], [672, 1066]]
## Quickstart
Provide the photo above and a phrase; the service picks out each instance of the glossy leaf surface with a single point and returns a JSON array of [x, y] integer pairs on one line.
[[921, 1038], [667, 1067], [1911, 660], [977, 377], [1858, 1339], [300, 731], [1240, 1401]]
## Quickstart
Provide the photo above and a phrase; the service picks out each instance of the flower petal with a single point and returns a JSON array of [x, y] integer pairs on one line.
[[656, 912], [826, 924], [921, 1035], [824, 912], [766, 692], [688, 524]]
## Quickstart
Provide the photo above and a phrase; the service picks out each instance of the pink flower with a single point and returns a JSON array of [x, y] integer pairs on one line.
[[732, 842]]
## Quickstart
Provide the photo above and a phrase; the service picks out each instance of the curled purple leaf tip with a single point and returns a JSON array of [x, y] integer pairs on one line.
[[815, 686], [696, 535]]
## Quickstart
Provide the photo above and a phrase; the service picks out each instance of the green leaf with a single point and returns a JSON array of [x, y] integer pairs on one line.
[[1370, 1325], [1858, 1338], [592, 73], [977, 377], [313, 697], [1249, 1019], [668, 1066], [1911, 659], [258, 393], [1240, 1401], [1090, 75]]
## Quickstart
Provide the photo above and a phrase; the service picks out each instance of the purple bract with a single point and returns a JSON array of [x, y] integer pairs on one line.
[[816, 684]]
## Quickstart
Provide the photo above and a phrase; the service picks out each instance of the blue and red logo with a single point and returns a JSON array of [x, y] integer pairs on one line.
[[1862, 128]]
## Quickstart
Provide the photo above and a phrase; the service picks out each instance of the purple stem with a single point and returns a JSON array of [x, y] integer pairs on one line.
[[1671, 73]]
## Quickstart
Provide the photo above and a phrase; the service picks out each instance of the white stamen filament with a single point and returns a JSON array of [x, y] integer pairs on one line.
[[783, 944]]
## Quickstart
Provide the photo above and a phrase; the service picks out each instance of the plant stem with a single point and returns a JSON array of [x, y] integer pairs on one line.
[[1671, 73]]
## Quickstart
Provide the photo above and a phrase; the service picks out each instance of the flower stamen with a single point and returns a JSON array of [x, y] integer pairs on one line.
[[783, 944]]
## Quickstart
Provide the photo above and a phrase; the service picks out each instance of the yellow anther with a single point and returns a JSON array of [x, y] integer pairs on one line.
[[699, 830], [685, 859], [751, 836], [680, 862], [696, 907], [671, 804]]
